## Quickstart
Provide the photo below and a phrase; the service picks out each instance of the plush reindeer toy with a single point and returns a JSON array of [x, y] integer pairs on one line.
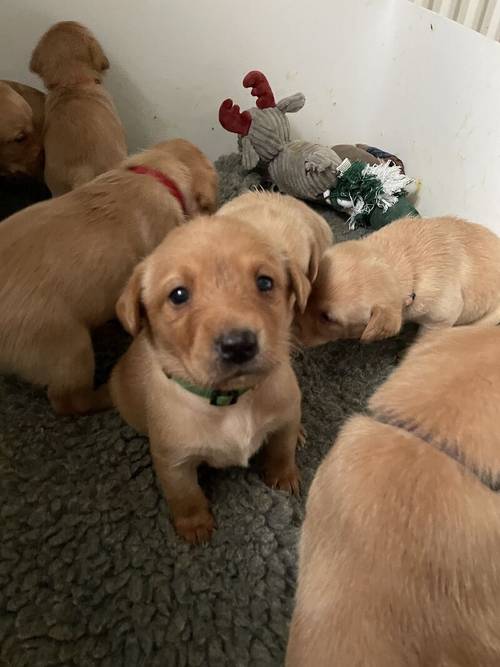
[[298, 168]]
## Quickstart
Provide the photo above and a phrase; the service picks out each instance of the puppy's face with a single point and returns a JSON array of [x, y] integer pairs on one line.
[[20, 145], [67, 53], [216, 301], [353, 297]]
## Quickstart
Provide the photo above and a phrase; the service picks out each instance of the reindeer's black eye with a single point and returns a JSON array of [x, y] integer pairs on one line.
[[179, 295], [264, 283], [20, 138]]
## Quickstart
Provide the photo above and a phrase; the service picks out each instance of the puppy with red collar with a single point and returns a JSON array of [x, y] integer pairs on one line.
[[64, 263]]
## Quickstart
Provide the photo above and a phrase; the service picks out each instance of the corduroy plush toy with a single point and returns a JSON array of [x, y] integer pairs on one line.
[[298, 168]]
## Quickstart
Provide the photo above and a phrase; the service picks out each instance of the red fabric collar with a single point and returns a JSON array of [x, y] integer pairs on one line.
[[164, 180]]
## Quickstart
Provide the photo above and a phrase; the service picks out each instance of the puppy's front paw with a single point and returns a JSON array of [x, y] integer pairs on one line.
[[285, 480], [195, 528]]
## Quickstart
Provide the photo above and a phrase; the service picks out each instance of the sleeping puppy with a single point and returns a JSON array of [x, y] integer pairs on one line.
[[83, 136], [399, 549], [64, 263], [208, 376], [21, 123], [300, 233], [438, 272]]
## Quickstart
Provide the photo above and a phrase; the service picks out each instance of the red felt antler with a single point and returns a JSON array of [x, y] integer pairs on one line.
[[234, 120], [260, 89]]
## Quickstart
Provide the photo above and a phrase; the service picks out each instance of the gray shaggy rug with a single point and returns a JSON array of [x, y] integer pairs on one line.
[[91, 572]]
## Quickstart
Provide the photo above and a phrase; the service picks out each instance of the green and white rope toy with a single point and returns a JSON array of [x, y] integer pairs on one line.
[[373, 195]]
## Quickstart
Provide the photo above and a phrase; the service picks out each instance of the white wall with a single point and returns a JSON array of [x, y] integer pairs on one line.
[[385, 72]]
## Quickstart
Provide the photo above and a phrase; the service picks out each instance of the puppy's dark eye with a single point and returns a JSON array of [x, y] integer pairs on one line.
[[179, 295], [265, 283], [20, 138], [326, 317]]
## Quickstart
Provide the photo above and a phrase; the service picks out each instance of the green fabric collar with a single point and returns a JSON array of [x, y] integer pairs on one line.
[[214, 396]]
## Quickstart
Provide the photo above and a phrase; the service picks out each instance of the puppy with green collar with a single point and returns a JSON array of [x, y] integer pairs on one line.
[[208, 377]]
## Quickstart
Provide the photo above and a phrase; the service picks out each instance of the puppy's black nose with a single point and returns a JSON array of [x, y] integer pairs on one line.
[[237, 346]]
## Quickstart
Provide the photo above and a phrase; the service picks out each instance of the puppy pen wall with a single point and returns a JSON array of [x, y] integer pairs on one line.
[[390, 73], [421, 82]]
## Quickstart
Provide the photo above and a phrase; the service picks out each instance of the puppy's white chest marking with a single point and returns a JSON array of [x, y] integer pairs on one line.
[[240, 438], [222, 436]]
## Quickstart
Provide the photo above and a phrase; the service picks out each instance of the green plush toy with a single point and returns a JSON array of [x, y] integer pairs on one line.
[[372, 194]]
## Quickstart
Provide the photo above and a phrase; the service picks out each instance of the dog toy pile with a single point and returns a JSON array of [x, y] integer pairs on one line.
[[366, 183], [298, 168], [372, 195]]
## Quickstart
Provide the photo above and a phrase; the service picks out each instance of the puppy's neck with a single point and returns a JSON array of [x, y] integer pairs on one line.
[[73, 76], [402, 272]]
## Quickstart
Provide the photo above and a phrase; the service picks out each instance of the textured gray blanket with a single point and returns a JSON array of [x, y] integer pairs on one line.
[[91, 572]]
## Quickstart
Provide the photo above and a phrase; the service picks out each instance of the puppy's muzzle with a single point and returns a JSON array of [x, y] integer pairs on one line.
[[237, 346]]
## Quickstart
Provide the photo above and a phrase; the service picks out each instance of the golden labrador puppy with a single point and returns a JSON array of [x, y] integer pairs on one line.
[[208, 376], [438, 272], [64, 263], [83, 136], [399, 548], [21, 123], [294, 228]]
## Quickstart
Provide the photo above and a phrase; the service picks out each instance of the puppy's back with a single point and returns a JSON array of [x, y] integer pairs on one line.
[[397, 561], [449, 386], [77, 248], [395, 558], [447, 242], [76, 151]]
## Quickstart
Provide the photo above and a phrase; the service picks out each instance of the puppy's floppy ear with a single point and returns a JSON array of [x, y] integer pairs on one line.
[[321, 239], [299, 285], [207, 204], [205, 193], [384, 322], [97, 56], [35, 62], [313, 268], [129, 306]]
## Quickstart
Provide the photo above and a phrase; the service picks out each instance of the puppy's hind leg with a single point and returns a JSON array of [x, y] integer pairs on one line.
[[70, 386]]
